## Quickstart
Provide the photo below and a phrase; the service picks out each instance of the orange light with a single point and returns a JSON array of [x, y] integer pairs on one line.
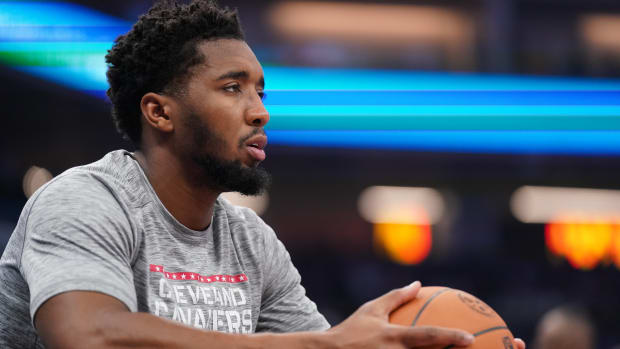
[[615, 246], [597, 31], [584, 245], [554, 238], [371, 23], [403, 243]]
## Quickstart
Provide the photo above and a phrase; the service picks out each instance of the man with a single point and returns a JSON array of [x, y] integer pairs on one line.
[[138, 250], [566, 326]]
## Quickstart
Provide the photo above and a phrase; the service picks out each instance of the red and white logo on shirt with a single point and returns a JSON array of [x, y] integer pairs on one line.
[[190, 276]]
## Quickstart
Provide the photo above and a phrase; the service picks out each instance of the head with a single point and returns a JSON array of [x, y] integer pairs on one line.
[[566, 327], [184, 79]]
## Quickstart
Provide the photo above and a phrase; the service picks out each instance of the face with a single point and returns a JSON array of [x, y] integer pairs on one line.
[[222, 117]]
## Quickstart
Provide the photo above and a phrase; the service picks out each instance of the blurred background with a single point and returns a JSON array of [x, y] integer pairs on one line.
[[468, 143]]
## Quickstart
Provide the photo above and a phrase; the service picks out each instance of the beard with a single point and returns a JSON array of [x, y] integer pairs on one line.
[[220, 174]]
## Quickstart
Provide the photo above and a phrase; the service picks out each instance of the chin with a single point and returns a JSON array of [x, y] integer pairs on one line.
[[234, 175]]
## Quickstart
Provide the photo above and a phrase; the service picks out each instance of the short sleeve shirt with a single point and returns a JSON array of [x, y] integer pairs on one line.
[[101, 227]]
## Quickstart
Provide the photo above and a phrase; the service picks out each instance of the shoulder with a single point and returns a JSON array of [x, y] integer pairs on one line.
[[243, 223], [82, 206], [237, 214], [99, 187], [111, 175]]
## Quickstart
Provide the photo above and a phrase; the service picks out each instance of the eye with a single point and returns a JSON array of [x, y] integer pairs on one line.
[[232, 88], [262, 95]]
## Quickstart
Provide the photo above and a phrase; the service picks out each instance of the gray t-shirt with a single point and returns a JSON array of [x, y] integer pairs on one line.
[[101, 227]]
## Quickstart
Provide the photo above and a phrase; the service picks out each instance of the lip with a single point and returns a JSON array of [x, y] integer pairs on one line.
[[255, 146], [259, 140]]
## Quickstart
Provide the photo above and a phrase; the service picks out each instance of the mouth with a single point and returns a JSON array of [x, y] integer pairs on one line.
[[255, 147]]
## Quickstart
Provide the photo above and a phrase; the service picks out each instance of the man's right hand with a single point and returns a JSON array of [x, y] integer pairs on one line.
[[61, 323], [369, 328]]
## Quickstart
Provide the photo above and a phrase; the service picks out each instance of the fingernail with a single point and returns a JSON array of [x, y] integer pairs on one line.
[[520, 340], [468, 339], [415, 284]]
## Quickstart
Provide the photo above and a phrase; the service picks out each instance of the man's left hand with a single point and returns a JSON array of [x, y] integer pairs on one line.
[[519, 343]]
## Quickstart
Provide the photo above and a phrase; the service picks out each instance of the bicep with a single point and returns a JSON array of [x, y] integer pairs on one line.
[[285, 306], [75, 318], [68, 249]]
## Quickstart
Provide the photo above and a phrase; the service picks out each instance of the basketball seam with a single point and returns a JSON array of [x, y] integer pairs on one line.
[[428, 301], [490, 329]]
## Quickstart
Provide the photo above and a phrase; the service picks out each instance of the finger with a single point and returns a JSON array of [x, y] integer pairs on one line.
[[519, 343], [432, 335], [395, 298]]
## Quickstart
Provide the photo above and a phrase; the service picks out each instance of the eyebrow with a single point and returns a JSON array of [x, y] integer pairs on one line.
[[241, 74]]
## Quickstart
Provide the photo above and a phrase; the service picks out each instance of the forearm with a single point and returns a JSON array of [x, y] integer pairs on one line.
[[297, 340], [142, 330], [82, 319]]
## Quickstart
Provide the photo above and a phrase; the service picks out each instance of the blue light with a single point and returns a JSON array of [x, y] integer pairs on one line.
[[353, 108], [292, 78], [58, 33], [438, 117], [86, 79], [57, 47], [418, 97], [499, 142], [611, 111], [48, 13], [56, 21]]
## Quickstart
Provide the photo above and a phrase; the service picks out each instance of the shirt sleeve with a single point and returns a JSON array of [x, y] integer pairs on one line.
[[78, 238], [285, 306]]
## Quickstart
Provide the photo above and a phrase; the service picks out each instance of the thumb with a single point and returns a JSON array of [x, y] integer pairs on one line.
[[395, 298]]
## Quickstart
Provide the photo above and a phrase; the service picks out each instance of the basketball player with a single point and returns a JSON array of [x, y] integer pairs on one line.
[[566, 326], [137, 250]]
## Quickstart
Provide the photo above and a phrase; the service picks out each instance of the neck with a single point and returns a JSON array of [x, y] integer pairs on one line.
[[188, 200]]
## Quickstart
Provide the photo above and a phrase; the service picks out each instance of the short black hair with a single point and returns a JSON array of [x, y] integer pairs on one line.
[[158, 52]]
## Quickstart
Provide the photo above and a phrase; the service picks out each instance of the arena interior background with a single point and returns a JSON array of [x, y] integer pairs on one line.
[[473, 144]]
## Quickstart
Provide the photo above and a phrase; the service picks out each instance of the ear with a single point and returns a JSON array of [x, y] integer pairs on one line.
[[156, 111]]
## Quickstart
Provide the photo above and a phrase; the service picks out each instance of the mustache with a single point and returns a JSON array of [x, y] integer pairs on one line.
[[256, 131]]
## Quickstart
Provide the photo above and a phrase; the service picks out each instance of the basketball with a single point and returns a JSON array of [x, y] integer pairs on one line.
[[447, 307]]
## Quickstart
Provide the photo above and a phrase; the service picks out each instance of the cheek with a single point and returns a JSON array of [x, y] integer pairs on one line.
[[228, 126], [226, 137], [227, 134]]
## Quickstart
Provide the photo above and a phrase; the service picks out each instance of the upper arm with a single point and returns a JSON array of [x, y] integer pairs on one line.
[[285, 306], [78, 238], [75, 319]]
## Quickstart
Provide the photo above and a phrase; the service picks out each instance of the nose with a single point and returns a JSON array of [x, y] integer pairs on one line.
[[257, 115]]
